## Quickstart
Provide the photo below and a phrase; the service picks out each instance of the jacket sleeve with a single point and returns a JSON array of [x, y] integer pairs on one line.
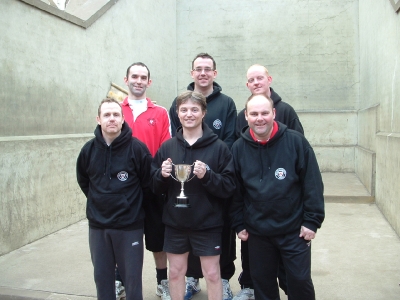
[[166, 129], [295, 124], [158, 183], [221, 183], [229, 136], [175, 123], [293, 121], [312, 192], [236, 211], [143, 166], [81, 174], [240, 123]]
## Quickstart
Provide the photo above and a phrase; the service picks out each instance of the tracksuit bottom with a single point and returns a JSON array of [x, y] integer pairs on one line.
[[265, 252], [109, 247], [245, 277]]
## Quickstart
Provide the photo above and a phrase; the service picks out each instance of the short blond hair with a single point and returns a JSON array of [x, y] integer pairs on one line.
[[258, 65]]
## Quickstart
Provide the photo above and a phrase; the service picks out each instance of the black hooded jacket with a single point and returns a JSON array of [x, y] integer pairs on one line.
[[114, 178], [220, 116], [206, 195], [279, 184], [284, 114]]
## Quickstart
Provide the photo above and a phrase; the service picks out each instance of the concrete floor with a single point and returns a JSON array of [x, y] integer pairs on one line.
[[356, 255]]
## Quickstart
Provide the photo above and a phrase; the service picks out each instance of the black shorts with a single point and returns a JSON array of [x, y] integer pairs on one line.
[[200, 242], [153, 226]]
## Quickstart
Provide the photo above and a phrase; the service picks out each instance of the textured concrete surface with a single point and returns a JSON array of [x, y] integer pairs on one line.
[[345, 187], [356, 255], [379, 118], [53, 76]]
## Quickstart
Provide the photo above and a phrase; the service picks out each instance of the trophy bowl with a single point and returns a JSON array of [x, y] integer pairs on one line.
[[182, 173]]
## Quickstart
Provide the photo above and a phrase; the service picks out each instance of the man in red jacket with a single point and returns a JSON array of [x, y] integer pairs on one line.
[[150, 124]]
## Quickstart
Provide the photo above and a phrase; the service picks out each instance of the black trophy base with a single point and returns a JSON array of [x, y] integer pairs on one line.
[[182, 202]]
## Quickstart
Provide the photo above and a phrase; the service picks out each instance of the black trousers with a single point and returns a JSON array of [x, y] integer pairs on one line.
[[264, 256], [109, 247], [245, 277]]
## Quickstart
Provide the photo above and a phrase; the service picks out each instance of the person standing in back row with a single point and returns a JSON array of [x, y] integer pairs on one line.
[[150, 124], [259, 82], [221, 119]]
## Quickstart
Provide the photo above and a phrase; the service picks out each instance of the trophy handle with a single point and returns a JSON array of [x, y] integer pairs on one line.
[[177, 179]]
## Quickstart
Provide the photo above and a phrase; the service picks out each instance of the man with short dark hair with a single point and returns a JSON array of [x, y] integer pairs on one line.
[[279, 203], [221, 119], [113, 172], [150, 124], [212, 181]]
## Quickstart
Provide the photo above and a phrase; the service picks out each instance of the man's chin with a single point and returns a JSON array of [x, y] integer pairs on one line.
[[258, 92]]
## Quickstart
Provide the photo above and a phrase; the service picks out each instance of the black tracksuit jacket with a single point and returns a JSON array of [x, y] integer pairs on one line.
[[206, 195], [279, 184], [114, 179], [220, 117]]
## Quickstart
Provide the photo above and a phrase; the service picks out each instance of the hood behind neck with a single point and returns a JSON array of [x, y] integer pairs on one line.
[[216, 90], [119, 141]]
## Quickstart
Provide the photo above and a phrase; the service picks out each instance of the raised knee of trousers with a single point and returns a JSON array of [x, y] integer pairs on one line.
[[299, 278]]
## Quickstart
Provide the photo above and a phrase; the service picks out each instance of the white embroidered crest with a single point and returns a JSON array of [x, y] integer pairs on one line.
[[280, 173], [217, 124], [122, 175]]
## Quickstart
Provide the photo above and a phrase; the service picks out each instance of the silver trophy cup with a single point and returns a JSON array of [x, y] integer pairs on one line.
[[182, 173]]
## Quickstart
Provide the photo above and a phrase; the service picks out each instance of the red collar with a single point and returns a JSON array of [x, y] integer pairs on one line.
[[149, 102], [274, 131]]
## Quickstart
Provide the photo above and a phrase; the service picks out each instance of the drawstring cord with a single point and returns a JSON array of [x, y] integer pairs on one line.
[[107, 169]]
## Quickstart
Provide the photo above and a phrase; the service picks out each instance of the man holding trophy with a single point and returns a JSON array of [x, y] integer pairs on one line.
[[195, 170]]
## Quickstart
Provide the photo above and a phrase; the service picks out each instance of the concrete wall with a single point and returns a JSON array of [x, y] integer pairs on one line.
[[53, 76], [310, 48], [379, 118], [335, 62]]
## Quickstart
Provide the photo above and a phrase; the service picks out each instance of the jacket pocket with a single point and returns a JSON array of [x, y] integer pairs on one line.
[[108, 209]]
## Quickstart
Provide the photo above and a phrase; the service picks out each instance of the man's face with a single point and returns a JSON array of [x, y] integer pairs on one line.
[[110, 118], [190, 114], [260, 116], [138, 81], [258, 82], [203, 72]]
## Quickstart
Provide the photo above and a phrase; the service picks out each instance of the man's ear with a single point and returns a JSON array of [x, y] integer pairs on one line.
[[215, 74]]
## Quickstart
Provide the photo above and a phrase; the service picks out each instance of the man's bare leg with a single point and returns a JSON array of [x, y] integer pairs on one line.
[[212, 275], [177, 271]]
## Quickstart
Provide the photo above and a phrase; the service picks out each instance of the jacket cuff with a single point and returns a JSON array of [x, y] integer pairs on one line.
[[310, 226], [206, 176], [239, 228]]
